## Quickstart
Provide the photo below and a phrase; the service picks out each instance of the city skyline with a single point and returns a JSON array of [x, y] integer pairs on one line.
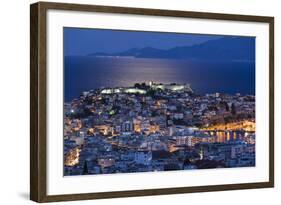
[[157, 127]]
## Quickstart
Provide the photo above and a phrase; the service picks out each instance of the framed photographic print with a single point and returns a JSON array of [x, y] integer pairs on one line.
[[135, 102]]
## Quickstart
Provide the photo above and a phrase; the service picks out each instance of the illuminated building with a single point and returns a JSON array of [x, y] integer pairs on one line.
[[106, 161], [143, 157], [153, 128], [246, 125], [171, 87], [123, 90], [72, 157], [127, 126], [103, 129]]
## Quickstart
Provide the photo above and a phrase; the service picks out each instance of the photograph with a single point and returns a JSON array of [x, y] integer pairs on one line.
[[146, 101]]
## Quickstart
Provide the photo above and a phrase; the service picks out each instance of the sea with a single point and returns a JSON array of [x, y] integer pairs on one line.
[[82, 73]]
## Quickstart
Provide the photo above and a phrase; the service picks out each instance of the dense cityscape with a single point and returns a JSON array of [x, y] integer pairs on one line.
[[157, 127]]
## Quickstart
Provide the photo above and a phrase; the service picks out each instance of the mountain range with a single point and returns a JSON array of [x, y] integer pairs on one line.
[[226, 48]]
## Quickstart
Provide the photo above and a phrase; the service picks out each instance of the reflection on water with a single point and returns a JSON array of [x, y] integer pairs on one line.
[[86, 73], [229, 136]]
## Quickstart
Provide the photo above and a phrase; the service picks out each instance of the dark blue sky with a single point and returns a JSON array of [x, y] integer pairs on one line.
[[79, 41]]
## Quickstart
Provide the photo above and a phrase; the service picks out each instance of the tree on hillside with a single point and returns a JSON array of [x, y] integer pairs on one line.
[[233, 109], [85, 168]]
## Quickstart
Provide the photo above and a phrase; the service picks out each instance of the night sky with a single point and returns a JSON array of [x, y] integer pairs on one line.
[[79, 41]]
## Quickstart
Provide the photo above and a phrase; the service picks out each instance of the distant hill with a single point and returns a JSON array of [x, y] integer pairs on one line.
[[226, 48]]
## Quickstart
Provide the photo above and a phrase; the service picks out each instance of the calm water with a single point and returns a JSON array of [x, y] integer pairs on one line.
[[86, 73]]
